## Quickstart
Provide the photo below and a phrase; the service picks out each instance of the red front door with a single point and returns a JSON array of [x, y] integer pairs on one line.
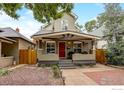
[[61, 49]]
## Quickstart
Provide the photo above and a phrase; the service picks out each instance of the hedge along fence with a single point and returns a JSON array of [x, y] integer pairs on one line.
[[101, 56]]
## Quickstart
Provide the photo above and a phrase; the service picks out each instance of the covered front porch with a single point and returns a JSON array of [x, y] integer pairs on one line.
[[6, 59], [78, 47]]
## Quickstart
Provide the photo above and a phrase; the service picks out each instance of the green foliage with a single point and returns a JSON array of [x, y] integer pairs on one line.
[[113, 21], [115, 53], [11, 9], [79, 26], [4, 72], [114, 33], [42, 12], [90, 25], [56, 71]]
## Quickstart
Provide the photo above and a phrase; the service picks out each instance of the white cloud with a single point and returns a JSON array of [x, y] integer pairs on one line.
[[26, 23]]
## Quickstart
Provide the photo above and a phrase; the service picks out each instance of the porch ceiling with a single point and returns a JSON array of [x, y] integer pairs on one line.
[[67, 36]]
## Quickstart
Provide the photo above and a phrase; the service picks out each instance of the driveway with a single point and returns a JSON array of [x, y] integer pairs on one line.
[[96, 75], [30, 75]]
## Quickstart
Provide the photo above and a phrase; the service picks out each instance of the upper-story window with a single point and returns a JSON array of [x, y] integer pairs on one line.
[[64, 25]]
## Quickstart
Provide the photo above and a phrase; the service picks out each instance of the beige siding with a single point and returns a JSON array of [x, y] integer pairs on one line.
[[77, 56], [101, 44], [6, 61], [48, 57], [57, 23], [10, 50], [24, 44]]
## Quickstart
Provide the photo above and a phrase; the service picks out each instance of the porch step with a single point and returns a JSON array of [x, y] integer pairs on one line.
[[67, 67], [66, 64]]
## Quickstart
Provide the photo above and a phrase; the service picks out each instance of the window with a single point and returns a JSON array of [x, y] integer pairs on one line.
[[77, 47], [64, 24], [50, 47]]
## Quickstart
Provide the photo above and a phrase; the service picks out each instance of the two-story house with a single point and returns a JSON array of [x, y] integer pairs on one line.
[[61, 39]]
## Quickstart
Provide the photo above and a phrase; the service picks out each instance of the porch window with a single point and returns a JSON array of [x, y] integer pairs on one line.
[[77, 47], [64, 25], [50, 47]]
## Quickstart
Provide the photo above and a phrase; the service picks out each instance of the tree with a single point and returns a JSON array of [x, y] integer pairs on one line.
[[90, 25], [44, 12], [113, 20], [79, 26], [11, 9]]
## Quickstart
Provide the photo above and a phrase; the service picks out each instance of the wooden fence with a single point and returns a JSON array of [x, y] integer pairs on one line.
[[27, 56], [100, 56]]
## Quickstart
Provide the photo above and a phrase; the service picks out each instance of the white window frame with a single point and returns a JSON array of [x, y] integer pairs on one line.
[[76, 47], [53, 42], [64, 23]]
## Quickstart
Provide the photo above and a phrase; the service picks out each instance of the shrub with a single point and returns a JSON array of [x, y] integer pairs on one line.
[[115, 54], [4, 72], [56, 71]]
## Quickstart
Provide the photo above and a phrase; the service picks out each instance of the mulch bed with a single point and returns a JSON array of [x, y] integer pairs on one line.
[[30, 75], [111, 77]]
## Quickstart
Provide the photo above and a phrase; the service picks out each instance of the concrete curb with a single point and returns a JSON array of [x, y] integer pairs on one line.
[[18, 66]]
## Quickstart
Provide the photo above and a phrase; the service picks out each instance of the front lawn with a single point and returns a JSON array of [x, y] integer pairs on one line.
[[30, 75]]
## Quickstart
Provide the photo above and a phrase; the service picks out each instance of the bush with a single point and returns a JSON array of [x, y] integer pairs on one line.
[[56, 71], [4, 72], [115, 54]]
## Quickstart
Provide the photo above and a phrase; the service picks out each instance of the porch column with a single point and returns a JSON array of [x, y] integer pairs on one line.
[[0, 48], [94, 47]]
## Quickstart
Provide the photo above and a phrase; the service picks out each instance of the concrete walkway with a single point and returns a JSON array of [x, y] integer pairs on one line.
[[77, 76]]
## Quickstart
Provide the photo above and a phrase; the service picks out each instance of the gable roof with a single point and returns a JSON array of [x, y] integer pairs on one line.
[[98, 32], [9, 32]]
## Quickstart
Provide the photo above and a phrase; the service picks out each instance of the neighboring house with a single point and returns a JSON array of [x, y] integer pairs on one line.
[[101, 43], [61, 39], [11, 41]]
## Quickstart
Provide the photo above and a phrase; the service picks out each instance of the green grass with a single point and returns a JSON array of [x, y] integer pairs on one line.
[[4, 72]]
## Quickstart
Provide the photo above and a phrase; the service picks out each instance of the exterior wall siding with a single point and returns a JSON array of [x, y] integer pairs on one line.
[[57, 24], [6, 61], [101, 44], [11, 50], [24, 44]]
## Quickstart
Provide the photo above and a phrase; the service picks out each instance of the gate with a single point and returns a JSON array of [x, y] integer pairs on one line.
[[100, 56], [27, 56]]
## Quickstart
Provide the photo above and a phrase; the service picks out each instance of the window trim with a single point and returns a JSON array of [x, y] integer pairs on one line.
[[63, 26], [77, 42], [46, 46]]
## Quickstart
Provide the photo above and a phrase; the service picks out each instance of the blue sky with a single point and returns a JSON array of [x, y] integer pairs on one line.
[[28, 25]]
